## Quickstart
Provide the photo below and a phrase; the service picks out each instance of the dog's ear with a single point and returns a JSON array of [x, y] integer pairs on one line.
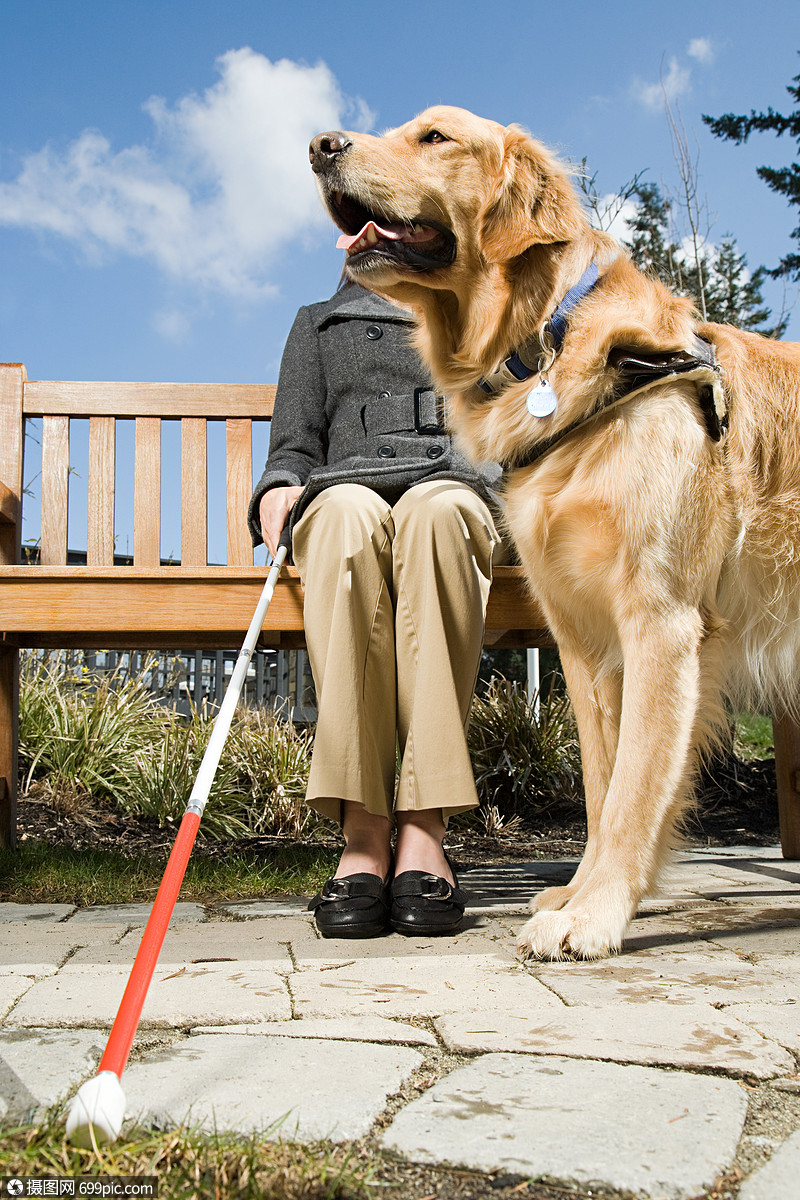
[[532, 203]]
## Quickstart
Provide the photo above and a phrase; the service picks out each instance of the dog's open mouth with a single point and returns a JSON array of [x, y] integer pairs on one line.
[[374, 239]]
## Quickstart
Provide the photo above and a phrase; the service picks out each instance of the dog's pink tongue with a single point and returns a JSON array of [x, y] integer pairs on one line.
[[372, 234]]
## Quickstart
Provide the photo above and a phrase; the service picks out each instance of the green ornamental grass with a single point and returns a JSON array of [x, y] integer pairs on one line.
[[89, 738], [94, 743]]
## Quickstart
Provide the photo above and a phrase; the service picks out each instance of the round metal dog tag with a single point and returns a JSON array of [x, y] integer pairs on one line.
[[541, 400]]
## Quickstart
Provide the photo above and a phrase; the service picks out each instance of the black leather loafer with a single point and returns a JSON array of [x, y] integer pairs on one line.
[[355, 906], [426, 905]]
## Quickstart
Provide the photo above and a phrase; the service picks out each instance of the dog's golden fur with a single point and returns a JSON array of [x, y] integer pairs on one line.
[[667, 563]]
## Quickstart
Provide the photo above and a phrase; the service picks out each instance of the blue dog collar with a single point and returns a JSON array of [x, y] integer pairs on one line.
[[526, 361]]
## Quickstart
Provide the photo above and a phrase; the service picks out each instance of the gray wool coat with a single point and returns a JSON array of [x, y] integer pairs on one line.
[[355, 405]]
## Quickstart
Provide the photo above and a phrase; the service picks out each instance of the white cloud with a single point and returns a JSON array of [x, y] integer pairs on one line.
[[690, 251], [671, 86], [222, 188], [701, 49], [172, 324], [613, 214]]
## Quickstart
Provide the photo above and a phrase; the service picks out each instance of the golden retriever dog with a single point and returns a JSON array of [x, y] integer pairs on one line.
[[652, 469]]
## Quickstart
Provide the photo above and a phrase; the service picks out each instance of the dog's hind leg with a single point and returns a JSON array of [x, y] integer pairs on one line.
[[596, 696], [647, 792]]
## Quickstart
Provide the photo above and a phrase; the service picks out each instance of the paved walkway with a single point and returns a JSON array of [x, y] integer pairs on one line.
[[653, 1073]]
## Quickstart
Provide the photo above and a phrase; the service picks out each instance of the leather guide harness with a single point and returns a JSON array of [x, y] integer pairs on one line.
[[637, 372]]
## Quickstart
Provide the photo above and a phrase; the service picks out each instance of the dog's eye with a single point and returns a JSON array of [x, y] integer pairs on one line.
[[433, 137]]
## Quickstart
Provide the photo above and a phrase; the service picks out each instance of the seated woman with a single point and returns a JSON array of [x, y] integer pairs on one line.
[[393, 533]]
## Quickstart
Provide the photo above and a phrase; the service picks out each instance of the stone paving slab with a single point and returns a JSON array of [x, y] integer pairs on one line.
[[778, 904], [27, 948], [39, 1066], [312, 952], [711, 978], [656, 931], [781, 1022], [728, 883], [342, 1029], [577, 1122], [249, 910], [211, 994], [791, 1085], [742, 873], [262, 941], [782, 964], [763, 935], [666, 933], [747, 912], [742, 870], [40, 913], [135, 914], [696, 1036], [778, 1179], [293, 1088], [12, 987], [413, 987], [745, 853], [21, 963], [519, 907]]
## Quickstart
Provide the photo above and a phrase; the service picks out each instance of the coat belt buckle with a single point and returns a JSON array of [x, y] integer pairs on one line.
[[422, 425]]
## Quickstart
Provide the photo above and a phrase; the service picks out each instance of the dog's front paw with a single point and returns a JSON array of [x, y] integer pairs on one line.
[[552, 898], [569, 934]]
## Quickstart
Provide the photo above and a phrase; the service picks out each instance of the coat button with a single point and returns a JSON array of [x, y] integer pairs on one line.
[[435, 451], [374, 332], [386, 452]]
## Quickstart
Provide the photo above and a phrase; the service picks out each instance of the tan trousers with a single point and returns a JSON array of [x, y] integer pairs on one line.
[[395, 599]]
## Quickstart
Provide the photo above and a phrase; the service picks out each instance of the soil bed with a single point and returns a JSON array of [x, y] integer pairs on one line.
[[736, 806]]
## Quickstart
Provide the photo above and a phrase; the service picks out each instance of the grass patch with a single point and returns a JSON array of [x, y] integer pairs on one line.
[[525, 756], [753, 736], [189, 1164], [38, 872]]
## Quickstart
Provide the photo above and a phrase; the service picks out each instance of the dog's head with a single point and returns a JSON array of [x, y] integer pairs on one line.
[[434, 200]]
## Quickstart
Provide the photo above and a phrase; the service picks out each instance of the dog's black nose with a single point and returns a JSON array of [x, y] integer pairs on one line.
[[326, 148]]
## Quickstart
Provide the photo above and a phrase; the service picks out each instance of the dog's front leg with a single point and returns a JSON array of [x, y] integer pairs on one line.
[[596, 695], [647, 791]]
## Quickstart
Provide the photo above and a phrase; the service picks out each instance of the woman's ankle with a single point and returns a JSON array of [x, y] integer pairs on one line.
[[367, 842], [419, 843]]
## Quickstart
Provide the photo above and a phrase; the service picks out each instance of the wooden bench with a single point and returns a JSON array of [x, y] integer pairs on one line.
[[146, 603]]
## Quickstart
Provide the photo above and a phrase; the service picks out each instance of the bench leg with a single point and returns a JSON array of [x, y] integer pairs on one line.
[[786, 739], [9, 724]]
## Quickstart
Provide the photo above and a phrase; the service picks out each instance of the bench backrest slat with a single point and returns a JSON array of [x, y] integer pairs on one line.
[[12, 383], [100, 533], [147, 493], [239, 482], [55, 485], [194, 492]]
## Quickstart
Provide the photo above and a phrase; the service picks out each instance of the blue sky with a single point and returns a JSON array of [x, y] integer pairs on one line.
[[158, 218]]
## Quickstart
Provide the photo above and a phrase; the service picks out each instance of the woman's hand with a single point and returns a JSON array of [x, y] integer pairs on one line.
[[273, 512]]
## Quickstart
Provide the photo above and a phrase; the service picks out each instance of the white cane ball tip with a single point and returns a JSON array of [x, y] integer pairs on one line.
[[98, 1104]]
